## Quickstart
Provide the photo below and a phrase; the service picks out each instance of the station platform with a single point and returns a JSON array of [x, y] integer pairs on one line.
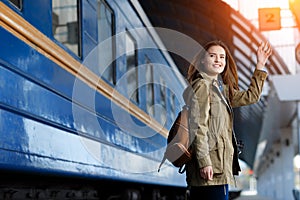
[[252, 197]]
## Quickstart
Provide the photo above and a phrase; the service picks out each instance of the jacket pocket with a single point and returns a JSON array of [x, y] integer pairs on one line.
[[217, 158], [215, 105]]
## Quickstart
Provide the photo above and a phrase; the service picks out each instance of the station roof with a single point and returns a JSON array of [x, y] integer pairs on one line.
[[207, 20]]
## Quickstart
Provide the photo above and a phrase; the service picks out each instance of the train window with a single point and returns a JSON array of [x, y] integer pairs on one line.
[[106, 42], [149, 87], [162, 100], [132, 72], [65, 24], [17, 3]]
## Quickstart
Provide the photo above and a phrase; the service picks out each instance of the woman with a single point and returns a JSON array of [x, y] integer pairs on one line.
[[214, 80]]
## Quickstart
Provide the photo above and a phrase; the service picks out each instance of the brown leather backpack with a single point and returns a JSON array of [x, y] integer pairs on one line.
[[178, 150]]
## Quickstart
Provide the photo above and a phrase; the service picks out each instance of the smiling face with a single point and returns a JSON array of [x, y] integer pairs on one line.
[[214, 61]]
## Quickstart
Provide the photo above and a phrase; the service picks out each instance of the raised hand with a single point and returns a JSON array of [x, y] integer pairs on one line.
[[263, 53]]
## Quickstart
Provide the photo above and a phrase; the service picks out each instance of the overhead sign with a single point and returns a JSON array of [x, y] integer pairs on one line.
[[269, 19]]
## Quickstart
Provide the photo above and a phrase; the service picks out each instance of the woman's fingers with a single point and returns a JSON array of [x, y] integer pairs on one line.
[[263, 52], [207, 173], [265, 48]]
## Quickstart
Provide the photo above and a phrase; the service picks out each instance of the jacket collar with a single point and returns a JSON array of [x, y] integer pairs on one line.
[[206, 77]]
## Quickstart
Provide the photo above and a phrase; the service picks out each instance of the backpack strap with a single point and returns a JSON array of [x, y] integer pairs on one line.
[[182, 169], [162, 162]]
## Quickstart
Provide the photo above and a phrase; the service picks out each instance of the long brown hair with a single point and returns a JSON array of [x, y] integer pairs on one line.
[[229, 75]]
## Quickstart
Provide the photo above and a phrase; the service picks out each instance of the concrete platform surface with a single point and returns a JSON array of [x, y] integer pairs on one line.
[[252, 197]]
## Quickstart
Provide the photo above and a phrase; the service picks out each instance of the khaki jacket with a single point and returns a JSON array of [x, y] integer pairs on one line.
[[211, 128]]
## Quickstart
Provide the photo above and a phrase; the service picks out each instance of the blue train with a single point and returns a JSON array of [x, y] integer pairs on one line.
[[87, 95]]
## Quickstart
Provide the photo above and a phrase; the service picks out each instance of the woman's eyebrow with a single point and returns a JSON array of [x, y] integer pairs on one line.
[[222, 54]]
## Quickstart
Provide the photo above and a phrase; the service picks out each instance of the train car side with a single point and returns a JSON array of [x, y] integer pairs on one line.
[[62, 114]]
